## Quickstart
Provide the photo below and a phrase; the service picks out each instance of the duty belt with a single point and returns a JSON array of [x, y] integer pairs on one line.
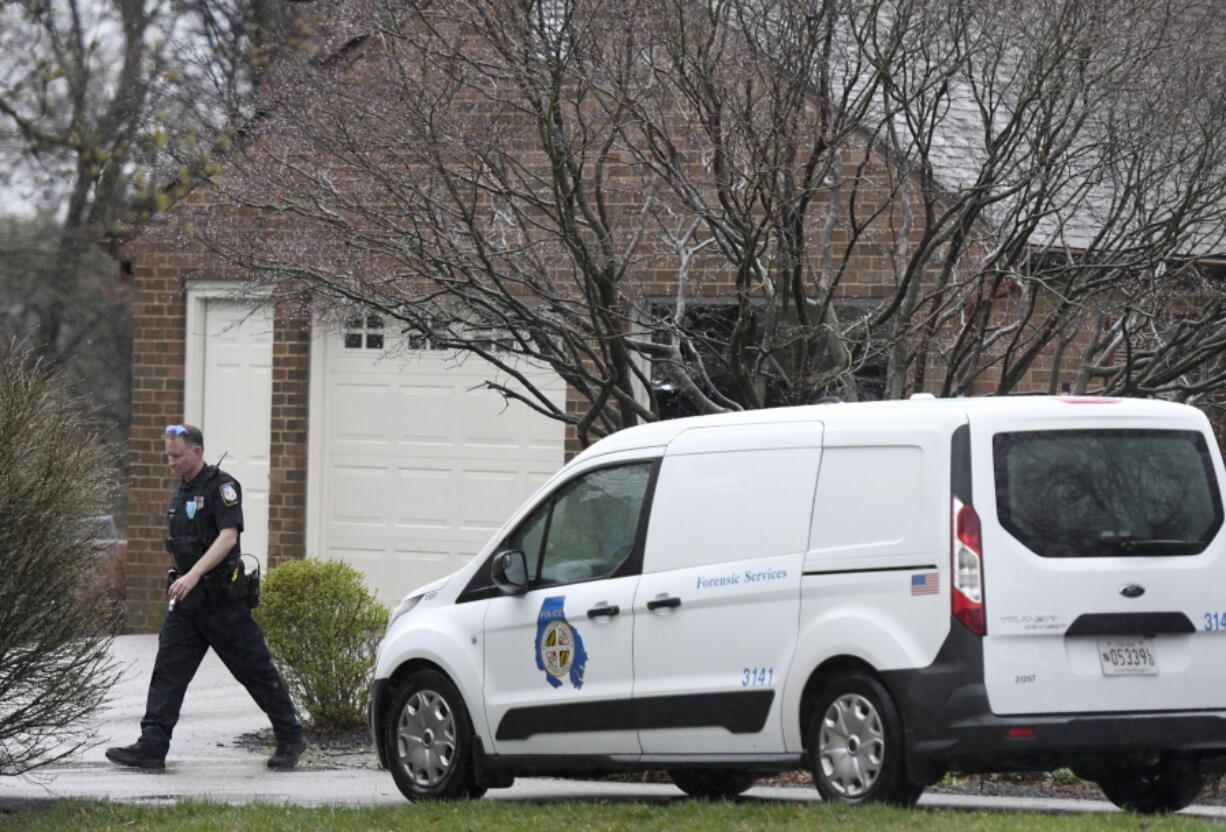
[[228, 579]]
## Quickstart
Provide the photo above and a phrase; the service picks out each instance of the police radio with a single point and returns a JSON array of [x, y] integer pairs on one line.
[[253, 581]]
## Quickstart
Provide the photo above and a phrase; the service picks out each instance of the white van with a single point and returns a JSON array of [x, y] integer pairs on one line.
[[877, 592]]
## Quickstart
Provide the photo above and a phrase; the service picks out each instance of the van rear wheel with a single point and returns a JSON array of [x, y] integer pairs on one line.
[[856, 745], [1151, 790], [429, 739], [711, 783]]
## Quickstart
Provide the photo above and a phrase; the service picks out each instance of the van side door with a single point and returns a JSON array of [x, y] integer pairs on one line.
[[558, 670], [717, 607]]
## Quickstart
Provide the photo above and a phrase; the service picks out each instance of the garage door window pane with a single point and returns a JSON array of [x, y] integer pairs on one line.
[[366, 332], [593, 524]]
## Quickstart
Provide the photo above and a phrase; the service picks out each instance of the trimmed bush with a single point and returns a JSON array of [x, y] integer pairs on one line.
[[322, 627]]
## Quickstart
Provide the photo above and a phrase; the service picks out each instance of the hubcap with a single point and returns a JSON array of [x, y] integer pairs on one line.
[[851, 745], [426, 738]]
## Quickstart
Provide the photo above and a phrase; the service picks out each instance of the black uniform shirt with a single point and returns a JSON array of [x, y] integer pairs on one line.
[[212, 501]]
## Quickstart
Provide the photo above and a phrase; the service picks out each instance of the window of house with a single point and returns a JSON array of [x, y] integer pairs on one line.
[[710, 329]]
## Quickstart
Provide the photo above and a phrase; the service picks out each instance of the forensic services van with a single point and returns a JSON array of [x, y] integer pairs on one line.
[[877, 592]]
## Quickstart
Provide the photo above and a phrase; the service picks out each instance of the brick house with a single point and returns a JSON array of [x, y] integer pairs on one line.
[[393, 464]]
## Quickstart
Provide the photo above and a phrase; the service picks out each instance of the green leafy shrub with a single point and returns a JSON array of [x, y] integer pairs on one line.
[[322, 627], [56, 622]]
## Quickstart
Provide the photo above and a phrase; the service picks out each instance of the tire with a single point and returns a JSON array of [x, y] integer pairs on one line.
[[856, 744], [711, 783], [1152, 790], [429, 739]]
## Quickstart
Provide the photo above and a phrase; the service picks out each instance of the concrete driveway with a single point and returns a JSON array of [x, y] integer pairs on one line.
[[206, 763]]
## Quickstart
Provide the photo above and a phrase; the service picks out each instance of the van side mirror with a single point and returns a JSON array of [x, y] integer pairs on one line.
[[509, 572]]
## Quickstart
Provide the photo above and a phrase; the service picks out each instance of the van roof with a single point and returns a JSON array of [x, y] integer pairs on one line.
[[911, 411]]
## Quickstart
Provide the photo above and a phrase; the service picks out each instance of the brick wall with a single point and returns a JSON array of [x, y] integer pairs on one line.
[[159, 315], [291, 365]]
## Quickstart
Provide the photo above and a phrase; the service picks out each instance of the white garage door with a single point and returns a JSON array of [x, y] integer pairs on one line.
[[415, 468]]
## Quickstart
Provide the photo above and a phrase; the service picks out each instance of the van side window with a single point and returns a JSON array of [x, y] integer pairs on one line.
[[588, 528], [530, 534]]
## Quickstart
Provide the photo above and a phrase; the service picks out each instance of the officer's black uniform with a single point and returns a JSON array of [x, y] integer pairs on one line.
[[209, 617]]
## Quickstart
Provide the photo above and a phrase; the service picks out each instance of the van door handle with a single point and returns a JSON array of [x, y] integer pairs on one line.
[[603, 609], [667, 602]]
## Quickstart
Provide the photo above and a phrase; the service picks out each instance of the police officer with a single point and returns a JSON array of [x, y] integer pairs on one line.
[[207, 608]]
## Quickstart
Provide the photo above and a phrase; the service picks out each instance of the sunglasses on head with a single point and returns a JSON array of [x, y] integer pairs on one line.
[[189, 434]]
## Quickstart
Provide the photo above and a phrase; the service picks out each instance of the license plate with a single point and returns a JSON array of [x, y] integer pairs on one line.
[[1128, 657]]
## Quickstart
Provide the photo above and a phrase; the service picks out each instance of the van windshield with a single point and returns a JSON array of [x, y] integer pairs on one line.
[[1107, 493]]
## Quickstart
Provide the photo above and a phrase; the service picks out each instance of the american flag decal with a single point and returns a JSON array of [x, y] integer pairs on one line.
[[924, 584]]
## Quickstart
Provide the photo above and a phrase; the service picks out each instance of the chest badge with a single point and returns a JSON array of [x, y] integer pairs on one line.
[[559, 647], [191, 507]]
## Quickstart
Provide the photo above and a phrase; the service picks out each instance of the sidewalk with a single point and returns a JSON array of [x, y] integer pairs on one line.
[[204, 762]]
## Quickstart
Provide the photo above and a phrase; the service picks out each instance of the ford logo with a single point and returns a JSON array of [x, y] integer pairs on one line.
[[1132, 590]]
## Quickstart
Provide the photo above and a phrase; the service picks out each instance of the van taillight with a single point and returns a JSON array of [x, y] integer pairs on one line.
[[967, 568]]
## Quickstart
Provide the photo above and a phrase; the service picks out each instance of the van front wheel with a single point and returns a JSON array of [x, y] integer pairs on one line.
[[430, 739], [856, 745], [1151, 790]]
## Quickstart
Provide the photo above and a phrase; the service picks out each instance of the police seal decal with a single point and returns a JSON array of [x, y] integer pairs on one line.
[[559, 647], [228, 494]]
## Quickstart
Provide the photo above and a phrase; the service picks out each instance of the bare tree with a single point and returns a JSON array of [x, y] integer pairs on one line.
[[701, 205], [94, 335], [100, 103]]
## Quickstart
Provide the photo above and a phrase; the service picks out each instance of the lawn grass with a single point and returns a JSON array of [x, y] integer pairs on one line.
[[562, 816]]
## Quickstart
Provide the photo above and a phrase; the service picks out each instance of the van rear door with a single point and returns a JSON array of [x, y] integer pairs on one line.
[[1104, 567]]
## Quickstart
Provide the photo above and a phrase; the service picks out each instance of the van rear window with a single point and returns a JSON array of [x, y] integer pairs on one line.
[[1107, 493]]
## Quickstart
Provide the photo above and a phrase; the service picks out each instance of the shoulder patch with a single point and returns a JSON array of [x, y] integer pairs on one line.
[[229, 494]]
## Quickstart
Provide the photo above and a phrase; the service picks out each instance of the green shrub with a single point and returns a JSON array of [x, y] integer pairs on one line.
[[323, 627]]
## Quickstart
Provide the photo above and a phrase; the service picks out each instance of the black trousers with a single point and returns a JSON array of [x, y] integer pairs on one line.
[[197, 623]]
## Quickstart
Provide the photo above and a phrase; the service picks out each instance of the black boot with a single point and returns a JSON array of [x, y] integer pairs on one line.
[[287, 754], [137, 755]]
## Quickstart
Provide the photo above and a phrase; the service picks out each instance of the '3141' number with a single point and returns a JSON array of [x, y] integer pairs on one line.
[[754, 676]]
